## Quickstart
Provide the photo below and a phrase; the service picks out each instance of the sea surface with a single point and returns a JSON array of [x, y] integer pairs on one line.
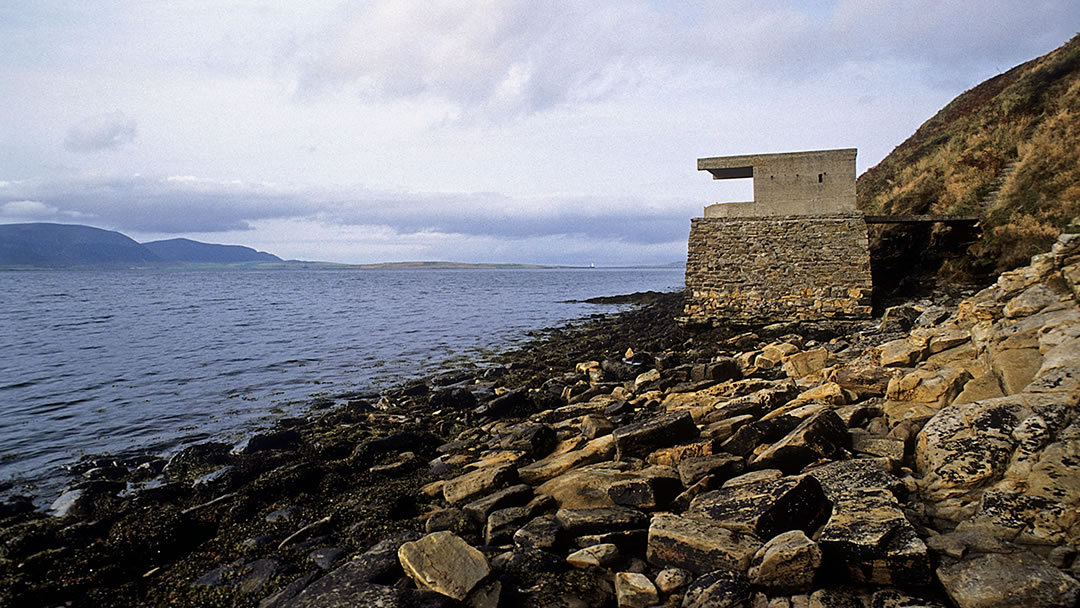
[[137, 361]]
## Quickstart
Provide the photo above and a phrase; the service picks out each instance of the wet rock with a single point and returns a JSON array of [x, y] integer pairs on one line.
[[718, 589], [326, 558], [1019, 579], [456, 398], [633, 590], [514, 403], [603, 555], [286, 439], [197, 459], [244, 576], [786, 563], [473, 485], [578, 522], [869, 536], [658, 431], [379, 564], [820, 436], [443, 563], [697, 544], [766, 507]]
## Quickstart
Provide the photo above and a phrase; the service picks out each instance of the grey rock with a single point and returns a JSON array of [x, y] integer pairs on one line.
[[600, 520], [698, 545], [638, 439], [513, 496], [540, 533], [766, 507], [1020, 579], [820, 436], [721, 466], [717, 589]]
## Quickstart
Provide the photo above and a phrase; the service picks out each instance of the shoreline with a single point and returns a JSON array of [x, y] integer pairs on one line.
[[603, 435]]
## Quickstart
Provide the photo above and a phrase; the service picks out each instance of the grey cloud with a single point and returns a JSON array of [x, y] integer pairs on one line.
[[100, 132], [182, 205]]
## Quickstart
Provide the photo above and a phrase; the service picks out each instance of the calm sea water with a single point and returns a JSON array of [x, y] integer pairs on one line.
[[98, 362]]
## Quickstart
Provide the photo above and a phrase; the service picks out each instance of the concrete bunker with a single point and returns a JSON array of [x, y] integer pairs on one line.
[[799, 250]]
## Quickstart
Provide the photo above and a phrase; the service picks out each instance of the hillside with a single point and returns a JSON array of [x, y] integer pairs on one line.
[[194, 252], [1007, 150], [52, 245]]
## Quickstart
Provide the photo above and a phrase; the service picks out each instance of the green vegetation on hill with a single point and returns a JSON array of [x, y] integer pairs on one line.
[[1007, 150]]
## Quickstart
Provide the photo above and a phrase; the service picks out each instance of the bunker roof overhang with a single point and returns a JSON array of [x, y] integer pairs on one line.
[[742, 166]]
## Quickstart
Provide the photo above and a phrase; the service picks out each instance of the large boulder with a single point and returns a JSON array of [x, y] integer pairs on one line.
[[1019, 579], [658, 431], [443, 563], [787, 563], [697, 544], [823, 435], [766, 507]]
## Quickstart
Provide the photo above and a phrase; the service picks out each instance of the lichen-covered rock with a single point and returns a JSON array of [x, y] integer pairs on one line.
[[787, 562], [804, 363], [600, 520], [697, 544], [823, 435], [601, 556], [658, 431], [766, 507], [1019, 579], [869, 537], [858, 474], [443, 563], [717, 589], [724, 466]]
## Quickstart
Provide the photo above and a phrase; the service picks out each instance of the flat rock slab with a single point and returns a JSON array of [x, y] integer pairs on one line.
[[601, 448], [587, 486], [823, 435], [858, 474], [698, 545], [1020, 579], [766, 507], [475, 484], [443, 563], [869, 537], [638, 439], [788, 562], [601, 520], [513, 496]]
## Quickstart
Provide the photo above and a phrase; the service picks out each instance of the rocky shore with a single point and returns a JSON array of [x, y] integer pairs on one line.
[[926, 458]]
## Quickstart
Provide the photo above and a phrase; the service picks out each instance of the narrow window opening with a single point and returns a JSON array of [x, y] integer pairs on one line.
[[820, 177]]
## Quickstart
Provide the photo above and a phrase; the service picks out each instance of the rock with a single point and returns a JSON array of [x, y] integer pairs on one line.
[[455, 520], [326, 558], [659, 431], [804, 363], [865, 443], [454, 398], [820, 436], [766, 507], [859, 474], [670, 580], [698, 544], [540, 471], [869, 537], [935, 388], [379, 564], [1016, 367], [502, 524], [894, 598], [986, 386], [720, 369], [595, 425], [603, 555], [473, 485], [540, 533], [787, 563], [633, 590], [528, 562], [1031, 300], [285, 439], [901, 353], [718, 589], [601, 520], [244, 576], [1019, 579], [750, 436], [333, 591], [588, 486], [512, 496], [540, 439], [443, 563], [514, 403], [653, 375], [722, 466], [648, 489]]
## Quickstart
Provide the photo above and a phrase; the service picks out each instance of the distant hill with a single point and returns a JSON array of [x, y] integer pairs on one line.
[[1007, 151], [52, 245], [44, 245], [194, 252]]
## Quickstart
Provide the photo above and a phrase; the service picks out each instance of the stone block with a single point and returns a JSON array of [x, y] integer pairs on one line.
[[443, 563], [766, 507], [663, 430], [475, 484], [822, 436], [787, 563], [633, 590], [698, 544], [1020, 579]]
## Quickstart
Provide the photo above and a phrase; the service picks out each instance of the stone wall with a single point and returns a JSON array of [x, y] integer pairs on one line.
[[778, 268]]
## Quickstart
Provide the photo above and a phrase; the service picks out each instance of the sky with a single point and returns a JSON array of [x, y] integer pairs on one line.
[[558, 132]]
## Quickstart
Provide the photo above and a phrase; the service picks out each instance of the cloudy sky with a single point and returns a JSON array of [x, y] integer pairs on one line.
[[477, 130]]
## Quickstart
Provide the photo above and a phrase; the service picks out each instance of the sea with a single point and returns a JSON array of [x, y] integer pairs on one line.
[[126, 362]]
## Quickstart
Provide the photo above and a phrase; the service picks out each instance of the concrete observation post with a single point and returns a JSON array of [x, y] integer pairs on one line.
[[799, 250]]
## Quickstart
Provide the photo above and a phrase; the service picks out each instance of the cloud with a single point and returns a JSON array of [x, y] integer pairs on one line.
[[100, 132], [190, 204]]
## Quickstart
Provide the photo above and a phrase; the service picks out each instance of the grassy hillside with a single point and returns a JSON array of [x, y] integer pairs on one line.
[[1017, 134]]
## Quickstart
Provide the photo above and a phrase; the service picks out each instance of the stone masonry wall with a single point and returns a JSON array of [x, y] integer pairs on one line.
[[778, 268]]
